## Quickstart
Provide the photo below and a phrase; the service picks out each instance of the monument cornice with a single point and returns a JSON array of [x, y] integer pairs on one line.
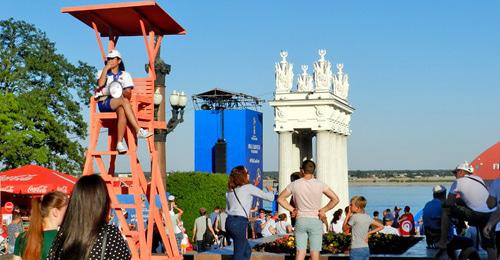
[[310, 99]]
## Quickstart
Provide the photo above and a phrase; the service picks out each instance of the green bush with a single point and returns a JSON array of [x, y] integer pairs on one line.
[[195, 190]]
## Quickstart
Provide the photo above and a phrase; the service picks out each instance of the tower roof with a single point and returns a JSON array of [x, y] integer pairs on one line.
[[219, 98], [122, 19]]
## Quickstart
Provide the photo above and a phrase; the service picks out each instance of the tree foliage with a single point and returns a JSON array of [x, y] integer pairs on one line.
[[41, 97], [194, 190]]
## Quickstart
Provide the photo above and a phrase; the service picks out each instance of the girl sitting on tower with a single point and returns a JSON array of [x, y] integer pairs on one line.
[[113, 73]]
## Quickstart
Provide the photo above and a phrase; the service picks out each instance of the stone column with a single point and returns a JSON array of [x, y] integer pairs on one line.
[[324, 162], [285, 166], [342, 172], [335, 157], [297, 149]]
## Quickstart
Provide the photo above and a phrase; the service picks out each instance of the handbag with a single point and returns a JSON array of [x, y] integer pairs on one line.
[[208, 237]]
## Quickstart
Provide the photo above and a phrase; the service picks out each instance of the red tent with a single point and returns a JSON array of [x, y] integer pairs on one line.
[[35, 180], [487, 164]]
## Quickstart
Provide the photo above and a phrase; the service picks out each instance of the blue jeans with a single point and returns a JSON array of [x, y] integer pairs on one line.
[[361, 253], [178, 238], [236, 228]]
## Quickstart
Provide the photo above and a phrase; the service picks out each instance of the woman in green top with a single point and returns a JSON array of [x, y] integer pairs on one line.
[[47, 214]]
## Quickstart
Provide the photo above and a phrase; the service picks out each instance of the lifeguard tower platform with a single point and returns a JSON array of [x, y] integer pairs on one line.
[[149, 20]]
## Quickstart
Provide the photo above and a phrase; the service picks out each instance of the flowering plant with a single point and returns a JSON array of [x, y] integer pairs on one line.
[[340, 243]]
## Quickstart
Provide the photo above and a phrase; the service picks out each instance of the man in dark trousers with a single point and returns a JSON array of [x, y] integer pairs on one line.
[[431, 215], [467, 202]]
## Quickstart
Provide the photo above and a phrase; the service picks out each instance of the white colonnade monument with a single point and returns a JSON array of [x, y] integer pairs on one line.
[[318, 107]]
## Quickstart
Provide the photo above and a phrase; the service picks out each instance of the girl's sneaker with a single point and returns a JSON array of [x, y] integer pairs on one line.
[[143, 133], [121, 148]]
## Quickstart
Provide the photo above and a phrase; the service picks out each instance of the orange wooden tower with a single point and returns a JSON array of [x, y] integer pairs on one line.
[[149, 20]]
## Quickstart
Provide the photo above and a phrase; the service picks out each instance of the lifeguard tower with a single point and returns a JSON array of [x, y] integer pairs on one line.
[[149, 20]]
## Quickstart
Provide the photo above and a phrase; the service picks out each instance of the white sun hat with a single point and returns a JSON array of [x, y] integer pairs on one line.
[[114, 54], [464, 166]]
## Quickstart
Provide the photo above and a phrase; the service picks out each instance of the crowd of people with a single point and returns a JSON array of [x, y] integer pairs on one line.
[[459, 220], [449, 221]]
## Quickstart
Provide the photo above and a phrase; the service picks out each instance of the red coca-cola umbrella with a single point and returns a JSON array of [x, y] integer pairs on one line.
[[35, 180]]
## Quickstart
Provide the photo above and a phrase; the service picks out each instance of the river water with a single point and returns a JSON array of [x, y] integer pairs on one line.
[[381, 197]]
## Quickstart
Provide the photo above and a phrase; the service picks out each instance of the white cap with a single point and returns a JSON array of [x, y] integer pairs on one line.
[[438, 189], [171, 198], [114, 53], [465, 166]]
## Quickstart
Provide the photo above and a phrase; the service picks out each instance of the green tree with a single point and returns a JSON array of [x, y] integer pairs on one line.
[[41, 97]]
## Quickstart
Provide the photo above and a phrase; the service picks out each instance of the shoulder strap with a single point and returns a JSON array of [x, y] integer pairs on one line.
[[103, 248], [234, 191], [470, 178]]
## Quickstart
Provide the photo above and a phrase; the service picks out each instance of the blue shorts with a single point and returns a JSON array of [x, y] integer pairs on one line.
[[105, 105]]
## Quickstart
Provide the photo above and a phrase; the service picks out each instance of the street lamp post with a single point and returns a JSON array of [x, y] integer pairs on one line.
[[178, 102]]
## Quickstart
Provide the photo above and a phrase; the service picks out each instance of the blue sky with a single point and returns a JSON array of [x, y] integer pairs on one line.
[[423, 74]]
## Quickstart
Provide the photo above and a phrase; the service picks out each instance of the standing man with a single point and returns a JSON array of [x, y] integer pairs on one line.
[[215, 214], [467, 202], [307, 193], [201, 224], [13, 230], [220, 227]]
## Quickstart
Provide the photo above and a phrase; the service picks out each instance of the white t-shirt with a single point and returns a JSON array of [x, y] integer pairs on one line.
[[281, 227], [337, 227], [122, 77], [473, 192], [173, 218], [389, 230], [495, 192], [265, 230]]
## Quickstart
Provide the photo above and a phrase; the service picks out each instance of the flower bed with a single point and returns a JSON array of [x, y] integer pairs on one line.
[[340, 243]]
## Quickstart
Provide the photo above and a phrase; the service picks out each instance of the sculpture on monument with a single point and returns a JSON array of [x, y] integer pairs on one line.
[[305, 81], [340, 83], [322, 73], [284, 74]]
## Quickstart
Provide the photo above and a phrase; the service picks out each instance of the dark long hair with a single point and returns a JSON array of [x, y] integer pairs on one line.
[[87, 213], [40, 209], [237, 178], [336, 216]]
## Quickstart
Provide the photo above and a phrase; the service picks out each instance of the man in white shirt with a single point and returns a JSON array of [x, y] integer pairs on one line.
[[472, 191]]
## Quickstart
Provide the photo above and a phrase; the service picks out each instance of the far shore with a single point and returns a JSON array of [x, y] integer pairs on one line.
[[401, 181], [386, 183]]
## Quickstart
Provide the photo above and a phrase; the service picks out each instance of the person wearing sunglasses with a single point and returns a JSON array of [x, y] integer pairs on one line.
[[109, 99]]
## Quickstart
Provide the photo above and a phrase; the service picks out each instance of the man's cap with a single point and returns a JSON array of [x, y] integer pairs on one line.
[[438, 189], [465, 167], [114, 54], [171, 198]]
